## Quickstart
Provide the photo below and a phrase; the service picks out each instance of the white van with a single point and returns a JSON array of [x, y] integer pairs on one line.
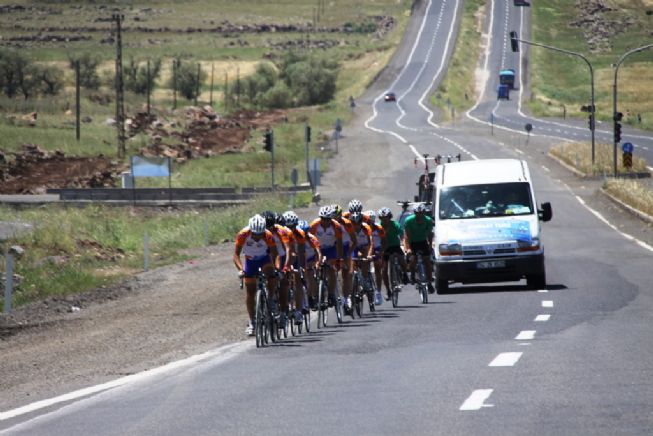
[[487, 225]]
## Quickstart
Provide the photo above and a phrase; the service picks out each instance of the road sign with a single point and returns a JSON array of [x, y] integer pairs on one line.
[[627, 147], [627, 159], [528, 127]]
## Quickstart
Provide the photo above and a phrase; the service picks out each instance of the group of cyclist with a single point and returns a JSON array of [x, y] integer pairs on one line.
[[281, 245]]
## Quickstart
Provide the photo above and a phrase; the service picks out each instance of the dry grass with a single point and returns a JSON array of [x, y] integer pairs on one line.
[[579, 156], [635, 193]]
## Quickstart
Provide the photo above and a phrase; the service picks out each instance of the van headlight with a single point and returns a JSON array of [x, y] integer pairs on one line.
[[532, 245], [450, 249]]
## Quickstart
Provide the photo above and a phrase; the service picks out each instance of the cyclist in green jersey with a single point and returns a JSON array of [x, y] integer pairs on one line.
[[418, 237], [392, 243]]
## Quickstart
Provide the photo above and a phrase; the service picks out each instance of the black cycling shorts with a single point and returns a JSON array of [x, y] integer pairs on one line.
[[389, 250], [421, 247]]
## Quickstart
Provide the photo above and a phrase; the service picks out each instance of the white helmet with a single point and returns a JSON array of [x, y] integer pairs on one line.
[[420, 208], [327, 211], [257, 224], [385, 212], [290, 218], [371, 215], [355, 206]]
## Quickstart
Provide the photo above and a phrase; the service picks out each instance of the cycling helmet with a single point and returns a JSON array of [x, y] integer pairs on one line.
[[303, 225], [270, 218], [279, 219], [385, 212], [290, 218], [257, 224], [326, 212], [355, 206], [356, 217], [337, 211], [371, 215], [420, 208]]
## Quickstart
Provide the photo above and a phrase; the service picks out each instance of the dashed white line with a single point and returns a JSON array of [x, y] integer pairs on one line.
[[506, 359], [546, 169], [542, 318], [547, 303], [477, 400], [519, 151], [543, 290], [525, 335]]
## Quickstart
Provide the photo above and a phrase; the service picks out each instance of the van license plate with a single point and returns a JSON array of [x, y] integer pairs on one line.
[[491, 264]]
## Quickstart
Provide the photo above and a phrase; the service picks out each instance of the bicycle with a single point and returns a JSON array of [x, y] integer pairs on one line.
[[282, 320], [396, 279], [323, 297], [264, 322], [306, 314], [422, 282], [363, 285]]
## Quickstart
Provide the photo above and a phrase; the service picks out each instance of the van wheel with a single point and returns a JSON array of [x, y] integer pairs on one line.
[[441, 286], [536, 281]]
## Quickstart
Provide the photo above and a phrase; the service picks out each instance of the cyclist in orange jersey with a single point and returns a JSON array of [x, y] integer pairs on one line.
[[283, 240], [257, 245], [378, 238], [329, 233], [313, 260], [348, 246]]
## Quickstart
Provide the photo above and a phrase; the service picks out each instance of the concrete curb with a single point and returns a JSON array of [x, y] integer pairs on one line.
[[638, 213]]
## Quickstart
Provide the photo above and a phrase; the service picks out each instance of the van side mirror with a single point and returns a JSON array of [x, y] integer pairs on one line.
[[546, 213]]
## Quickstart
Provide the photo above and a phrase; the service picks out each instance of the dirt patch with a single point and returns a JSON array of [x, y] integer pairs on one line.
[[33, 169]]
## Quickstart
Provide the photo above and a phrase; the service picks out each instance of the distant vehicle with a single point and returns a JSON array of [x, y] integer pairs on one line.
[[507, 77], [522, 3], [503, 92], [390, 96]]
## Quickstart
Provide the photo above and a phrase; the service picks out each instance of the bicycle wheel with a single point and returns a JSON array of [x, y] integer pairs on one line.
[[395, 281], [357, 296], [339, 303], [259, 318], [423, 284], [323, 306]]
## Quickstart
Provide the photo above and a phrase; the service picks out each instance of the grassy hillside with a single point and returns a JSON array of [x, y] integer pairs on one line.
[[559, 79]]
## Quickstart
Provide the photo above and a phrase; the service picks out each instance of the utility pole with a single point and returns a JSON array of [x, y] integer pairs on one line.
[[120, 108], [77, 101], [197, 89], [149, 87], [211, 90]]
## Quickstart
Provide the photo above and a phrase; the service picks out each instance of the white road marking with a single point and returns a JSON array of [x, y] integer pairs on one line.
[[220, 354], [506, 359], [542, 318], [477, 399], [547, 303], [543, 290], [519, 151], [613, 227], [546, 169], [525, 335]]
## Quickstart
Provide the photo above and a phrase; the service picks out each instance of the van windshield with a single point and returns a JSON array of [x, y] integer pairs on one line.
[[482, 201]]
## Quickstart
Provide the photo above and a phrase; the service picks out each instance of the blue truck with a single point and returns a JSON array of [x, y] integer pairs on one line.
[[507, 77]]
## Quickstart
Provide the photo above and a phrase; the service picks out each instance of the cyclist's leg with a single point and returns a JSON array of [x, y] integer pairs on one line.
[[386, 276], [346, 273], [268, 270]]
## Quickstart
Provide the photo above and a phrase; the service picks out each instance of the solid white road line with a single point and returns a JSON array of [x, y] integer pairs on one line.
[[542, 318], [547, 303], [543, 290], [477, 399], [506, 359], [525, 335]]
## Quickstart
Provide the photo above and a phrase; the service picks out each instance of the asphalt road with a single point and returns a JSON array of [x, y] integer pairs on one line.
[[571, 359]]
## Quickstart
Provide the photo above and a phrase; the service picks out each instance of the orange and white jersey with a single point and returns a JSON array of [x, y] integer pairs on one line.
[[366, 218], [327, 237], [363, 235], [299, 237], [250, 247], [282, 235], [348, 227], [378, 235], [311, 245]]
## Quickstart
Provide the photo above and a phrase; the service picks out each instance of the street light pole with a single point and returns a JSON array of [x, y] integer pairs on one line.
[[614, 99], [513, 35]]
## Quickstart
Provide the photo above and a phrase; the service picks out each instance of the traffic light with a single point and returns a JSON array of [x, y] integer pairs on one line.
[[268, 141], [514, 44], [617, 126]]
